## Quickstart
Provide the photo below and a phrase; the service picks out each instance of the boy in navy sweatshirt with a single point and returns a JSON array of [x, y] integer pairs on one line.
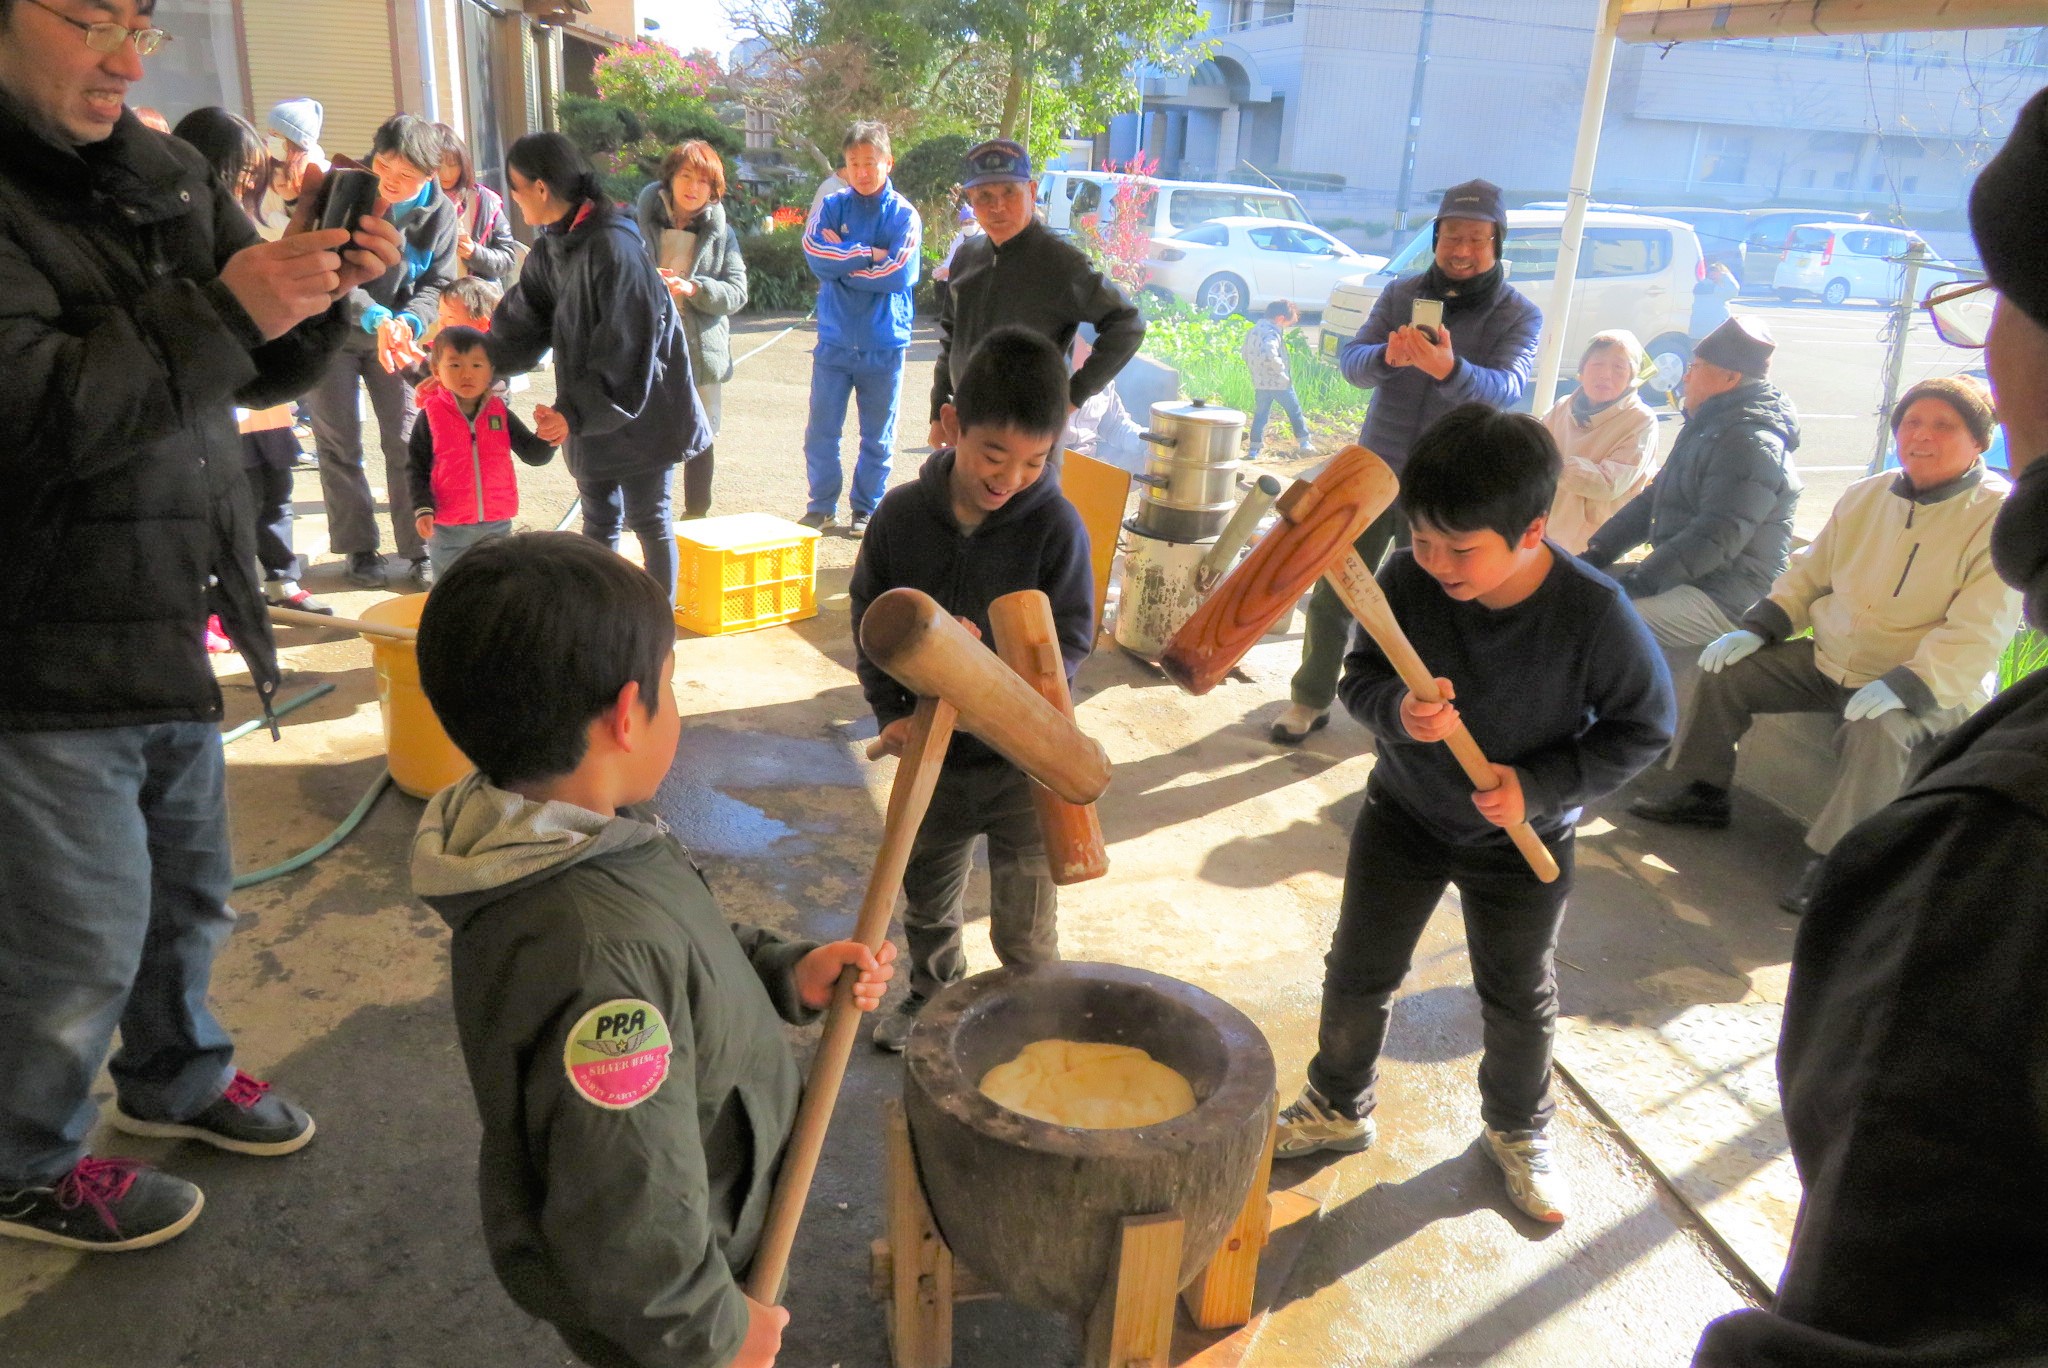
[[982, 520], [1563, 688]]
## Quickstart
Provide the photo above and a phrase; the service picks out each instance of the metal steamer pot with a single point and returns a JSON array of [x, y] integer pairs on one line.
[[1191, 476]]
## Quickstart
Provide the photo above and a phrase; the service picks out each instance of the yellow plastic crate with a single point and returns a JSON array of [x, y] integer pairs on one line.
[[744, 570]]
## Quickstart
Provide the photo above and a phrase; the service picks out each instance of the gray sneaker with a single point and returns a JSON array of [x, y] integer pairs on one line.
[[1534, 1183], [105, 1205], [247, 1119], [1311, 1124], [892, 1032]]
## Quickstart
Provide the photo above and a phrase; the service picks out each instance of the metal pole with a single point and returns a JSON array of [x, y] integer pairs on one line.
[[1550, 354], [1895, 358], [1414, 117]]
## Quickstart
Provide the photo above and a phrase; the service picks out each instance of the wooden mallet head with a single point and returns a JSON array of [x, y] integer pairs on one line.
[[921, 646], [1319, 520]]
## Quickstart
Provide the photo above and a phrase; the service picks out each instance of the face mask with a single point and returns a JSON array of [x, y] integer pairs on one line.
[[279, 148]]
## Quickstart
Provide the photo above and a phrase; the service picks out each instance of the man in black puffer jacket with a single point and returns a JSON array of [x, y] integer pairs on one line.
[[136, 309], [1718, 517]]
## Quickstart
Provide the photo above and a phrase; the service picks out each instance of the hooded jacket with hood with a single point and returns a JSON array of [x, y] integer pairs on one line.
[[622, 361], [629, 1068], [1034, 541], [125, 523], [1609, 453], [411, 290], [1719, 514]]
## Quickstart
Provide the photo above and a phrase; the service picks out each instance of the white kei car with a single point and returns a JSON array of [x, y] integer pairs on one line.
[[1239, 265]]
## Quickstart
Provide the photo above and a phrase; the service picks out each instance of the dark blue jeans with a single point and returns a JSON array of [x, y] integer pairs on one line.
[[1397, 872], [640, 503], [114, 878]]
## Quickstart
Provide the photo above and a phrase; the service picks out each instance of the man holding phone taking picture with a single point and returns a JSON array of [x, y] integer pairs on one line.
[[137, 308], [1458, 333]]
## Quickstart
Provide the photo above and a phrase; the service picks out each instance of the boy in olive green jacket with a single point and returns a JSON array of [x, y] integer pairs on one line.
[[622, 1039]]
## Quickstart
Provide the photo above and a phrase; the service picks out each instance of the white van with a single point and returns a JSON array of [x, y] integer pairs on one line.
[[1067, 197], [1635, 272], [1843, 261]]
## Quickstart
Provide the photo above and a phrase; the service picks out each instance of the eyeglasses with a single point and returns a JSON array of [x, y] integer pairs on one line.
[[109, 37], [1961, 312]]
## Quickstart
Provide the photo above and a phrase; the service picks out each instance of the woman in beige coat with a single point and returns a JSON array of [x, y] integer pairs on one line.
[[1607, 436]]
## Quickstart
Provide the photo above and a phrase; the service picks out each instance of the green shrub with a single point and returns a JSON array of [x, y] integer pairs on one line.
[[2024, 654], [1209, 356], [778, 277], [927, 172]]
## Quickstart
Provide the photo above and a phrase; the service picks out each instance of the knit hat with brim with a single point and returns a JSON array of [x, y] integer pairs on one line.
[[2009, 213], [1967, 396]]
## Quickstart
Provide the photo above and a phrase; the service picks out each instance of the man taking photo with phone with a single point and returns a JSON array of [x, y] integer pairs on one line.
[[1458, 333], [137, 308]]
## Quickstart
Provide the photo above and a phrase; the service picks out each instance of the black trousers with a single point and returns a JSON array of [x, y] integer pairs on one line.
[[992, 800], [1397, 871]]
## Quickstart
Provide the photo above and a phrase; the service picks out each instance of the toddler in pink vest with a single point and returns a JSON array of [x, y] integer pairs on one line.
[[463, 489]]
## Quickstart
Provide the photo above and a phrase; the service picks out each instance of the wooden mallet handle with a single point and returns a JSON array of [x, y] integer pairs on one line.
[[931, 728], [1028, 641], [1362, 595]]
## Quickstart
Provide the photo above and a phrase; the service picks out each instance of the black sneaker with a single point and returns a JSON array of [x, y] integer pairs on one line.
[[1697, 804], [366, 568], [422, 574], [892, 1032], [246, 1119], [817, 522], [103, 1204], [1799, 897], [858, 527]]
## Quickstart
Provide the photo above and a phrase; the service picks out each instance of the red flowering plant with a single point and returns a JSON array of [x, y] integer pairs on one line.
[[1123, 242]]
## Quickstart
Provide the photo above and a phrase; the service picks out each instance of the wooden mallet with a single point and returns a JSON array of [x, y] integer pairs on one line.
[[1319, 521], [956, 679], [1027, 639]]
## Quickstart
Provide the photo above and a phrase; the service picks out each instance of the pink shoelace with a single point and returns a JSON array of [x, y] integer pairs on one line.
[[245, 1092], [97, 1183]]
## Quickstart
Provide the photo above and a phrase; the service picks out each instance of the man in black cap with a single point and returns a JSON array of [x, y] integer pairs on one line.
[[1018, 272], [1484, 353], [1718, 517], [1914, 1061]]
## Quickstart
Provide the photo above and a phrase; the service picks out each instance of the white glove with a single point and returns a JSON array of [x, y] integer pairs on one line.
[[1725, 650], [1874, 699]]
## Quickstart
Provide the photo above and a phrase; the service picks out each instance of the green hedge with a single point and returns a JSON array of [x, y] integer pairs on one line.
[[1209, 356], [778, 277]]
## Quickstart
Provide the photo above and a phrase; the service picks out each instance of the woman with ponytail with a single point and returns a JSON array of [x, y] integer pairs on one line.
[[625, 411]]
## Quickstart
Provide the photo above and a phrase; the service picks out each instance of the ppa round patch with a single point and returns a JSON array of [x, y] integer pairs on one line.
[[617, 1053]]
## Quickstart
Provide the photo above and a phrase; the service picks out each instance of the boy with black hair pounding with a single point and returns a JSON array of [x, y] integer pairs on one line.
[[1563, 688], [622, 1039], [980, 522]]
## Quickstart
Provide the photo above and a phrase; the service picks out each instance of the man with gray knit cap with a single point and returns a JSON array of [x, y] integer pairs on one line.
[[1914, 1062]]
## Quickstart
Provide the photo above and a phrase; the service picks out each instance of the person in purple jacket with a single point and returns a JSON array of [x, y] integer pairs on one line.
[[1484, 353], [864, 246]]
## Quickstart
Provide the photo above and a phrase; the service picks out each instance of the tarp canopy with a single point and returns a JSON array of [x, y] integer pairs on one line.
[[1680, 21]]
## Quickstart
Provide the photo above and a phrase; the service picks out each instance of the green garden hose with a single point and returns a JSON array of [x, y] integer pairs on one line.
[[334, 837]]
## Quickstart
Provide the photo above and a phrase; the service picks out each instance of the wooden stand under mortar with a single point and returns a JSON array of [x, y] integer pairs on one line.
[[914, 1273]]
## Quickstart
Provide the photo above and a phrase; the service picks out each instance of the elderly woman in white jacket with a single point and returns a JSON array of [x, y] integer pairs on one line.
[[1607, 436]]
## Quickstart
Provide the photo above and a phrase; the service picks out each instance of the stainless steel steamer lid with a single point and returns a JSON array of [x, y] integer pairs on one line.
[[1198, 411]]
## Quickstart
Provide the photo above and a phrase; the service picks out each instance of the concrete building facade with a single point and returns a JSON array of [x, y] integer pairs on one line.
[[1318, 95]]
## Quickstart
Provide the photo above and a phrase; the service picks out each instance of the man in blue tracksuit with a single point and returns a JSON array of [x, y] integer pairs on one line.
[[863, 245]]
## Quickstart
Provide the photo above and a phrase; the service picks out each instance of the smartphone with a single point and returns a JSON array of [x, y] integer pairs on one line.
[[1428, 316], [346, 196]]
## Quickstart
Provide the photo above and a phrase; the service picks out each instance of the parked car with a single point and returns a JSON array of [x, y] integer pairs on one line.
[[1239, 265], [1722, 232], [1635, 272], [1768, 229], [1844, 261], [1067, 198]]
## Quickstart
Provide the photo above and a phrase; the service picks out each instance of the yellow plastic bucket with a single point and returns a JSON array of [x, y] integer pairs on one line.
[[423, 760]]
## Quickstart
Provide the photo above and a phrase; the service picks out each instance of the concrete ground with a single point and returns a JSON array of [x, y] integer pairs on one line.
[[1227, 856]]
